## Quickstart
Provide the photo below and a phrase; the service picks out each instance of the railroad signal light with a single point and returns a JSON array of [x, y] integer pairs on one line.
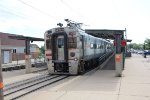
[[123, 43]]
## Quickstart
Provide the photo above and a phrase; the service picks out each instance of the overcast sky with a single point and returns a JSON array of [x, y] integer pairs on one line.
[[34, 17]]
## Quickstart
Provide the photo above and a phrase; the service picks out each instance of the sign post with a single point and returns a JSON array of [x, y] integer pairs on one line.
[[118, 55]]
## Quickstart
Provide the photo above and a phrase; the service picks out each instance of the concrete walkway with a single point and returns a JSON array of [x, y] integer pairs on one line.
[[21, 62], [102, 84]]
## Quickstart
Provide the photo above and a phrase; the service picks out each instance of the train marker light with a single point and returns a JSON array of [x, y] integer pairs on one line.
[[75, 59], [123, 43]]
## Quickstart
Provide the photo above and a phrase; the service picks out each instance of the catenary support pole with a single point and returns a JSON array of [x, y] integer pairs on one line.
[[28, 57], [1, 77]]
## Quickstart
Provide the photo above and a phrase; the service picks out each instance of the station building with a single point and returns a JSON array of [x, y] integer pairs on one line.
[[13, 50]]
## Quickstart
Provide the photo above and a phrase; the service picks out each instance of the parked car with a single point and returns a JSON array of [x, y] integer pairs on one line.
[[140, 52], [147, 52]]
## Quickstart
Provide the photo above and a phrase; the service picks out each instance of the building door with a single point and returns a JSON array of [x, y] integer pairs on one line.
[[6, 57]]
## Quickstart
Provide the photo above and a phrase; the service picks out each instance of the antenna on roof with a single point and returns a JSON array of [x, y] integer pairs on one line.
[[71, 23], [60, 24]]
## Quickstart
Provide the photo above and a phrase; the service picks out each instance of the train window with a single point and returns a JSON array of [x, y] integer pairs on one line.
[[72, 42], [101, 47], [72, 39], [97, 46], [92, 45], [81, 38], [107, 46], [72, 45], [60, 42], [48, 44]]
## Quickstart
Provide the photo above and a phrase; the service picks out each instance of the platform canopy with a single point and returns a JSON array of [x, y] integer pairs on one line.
[[104, 33], [21, 37]]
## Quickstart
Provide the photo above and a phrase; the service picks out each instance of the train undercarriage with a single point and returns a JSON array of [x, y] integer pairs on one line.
[[83, 66]]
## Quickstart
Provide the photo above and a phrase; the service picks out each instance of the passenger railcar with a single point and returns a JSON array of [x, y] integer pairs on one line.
[[69, 50]]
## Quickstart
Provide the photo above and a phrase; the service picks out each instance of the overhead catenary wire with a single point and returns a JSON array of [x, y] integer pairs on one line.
[[13, 12], [75, 11], [42, 12], [70, 8], [16, 14], [5, 10]]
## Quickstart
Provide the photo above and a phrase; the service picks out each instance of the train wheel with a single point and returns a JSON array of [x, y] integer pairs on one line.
[[87, 65]]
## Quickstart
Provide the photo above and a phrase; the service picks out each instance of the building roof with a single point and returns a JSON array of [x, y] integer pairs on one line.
[[5, 40]]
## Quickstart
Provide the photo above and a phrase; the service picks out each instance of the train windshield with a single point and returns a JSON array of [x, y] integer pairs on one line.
[[60, 42]]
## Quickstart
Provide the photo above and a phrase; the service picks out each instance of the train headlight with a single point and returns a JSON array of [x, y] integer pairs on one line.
[[75, 59]]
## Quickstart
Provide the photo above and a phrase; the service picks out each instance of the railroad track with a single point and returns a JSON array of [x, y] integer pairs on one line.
[[22, 82], [19, 89]]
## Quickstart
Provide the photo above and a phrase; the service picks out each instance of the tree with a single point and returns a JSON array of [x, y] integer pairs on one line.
[[42, 51], [147, 44], [135, 46]]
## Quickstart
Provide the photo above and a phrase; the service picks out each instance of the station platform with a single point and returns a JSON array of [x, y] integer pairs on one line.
[[20, 65], [101, 84]]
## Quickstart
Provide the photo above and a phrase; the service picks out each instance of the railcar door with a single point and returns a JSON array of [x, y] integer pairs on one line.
[[60, 48]]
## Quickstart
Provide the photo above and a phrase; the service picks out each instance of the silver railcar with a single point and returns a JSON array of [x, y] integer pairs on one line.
[[69, 50]]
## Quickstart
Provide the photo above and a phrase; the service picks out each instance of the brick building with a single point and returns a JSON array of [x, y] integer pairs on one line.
[[12, 49]]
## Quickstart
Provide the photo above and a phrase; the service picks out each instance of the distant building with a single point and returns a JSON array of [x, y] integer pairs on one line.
[[35, 51], [12, 49]]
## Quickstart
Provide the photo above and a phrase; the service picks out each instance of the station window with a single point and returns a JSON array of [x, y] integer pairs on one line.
[[14, 50]]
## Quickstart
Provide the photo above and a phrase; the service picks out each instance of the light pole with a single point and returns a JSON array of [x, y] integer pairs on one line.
[[144, 47]]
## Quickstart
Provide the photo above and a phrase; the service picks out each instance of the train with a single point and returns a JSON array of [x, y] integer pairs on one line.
[[70, 50]]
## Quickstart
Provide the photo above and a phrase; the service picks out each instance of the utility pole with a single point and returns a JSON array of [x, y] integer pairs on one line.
[[1, 78]]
